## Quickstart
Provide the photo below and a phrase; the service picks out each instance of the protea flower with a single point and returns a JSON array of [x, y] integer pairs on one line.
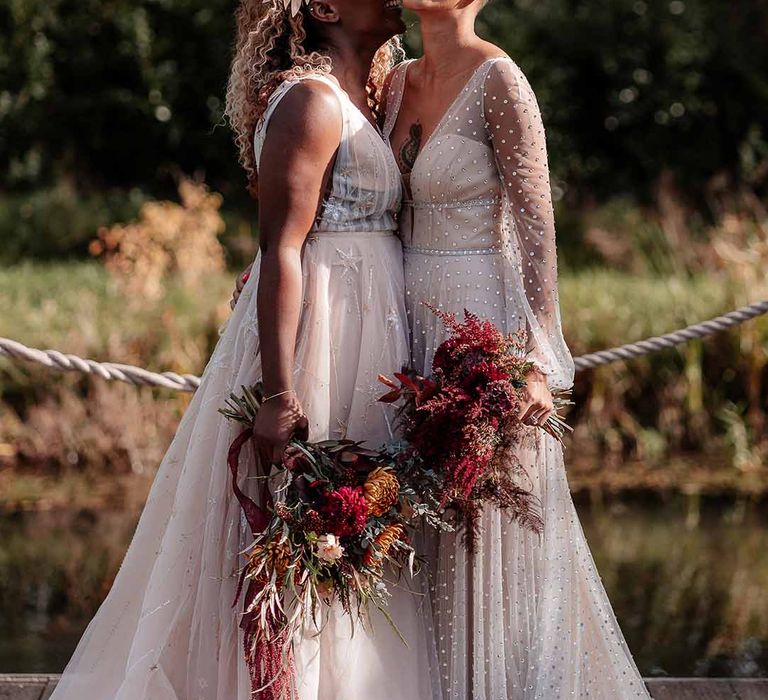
[[329, 548]]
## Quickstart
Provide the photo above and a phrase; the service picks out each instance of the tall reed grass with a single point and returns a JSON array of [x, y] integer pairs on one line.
[[689, 419]]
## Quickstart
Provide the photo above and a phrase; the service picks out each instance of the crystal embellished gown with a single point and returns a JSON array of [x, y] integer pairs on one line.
[[526, 617], [167, 630]]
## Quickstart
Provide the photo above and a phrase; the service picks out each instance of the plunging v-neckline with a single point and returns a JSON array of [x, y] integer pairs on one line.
[[441, 122]]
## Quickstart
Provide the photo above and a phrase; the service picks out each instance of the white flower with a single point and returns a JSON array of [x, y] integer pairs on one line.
[[329, 548]]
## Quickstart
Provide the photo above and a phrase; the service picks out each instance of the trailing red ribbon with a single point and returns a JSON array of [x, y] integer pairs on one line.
[[257, 517], [271, 674]]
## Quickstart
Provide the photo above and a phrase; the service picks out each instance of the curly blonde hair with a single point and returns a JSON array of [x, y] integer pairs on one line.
[[272, 46]]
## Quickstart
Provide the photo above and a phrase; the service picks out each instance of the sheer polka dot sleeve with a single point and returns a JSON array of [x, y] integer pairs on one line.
[[516, 132]]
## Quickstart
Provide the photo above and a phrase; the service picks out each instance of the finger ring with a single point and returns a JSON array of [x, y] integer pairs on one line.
[[245, 276]]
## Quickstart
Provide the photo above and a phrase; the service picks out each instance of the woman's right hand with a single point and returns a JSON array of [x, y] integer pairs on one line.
[[278, 420], [240, 285]]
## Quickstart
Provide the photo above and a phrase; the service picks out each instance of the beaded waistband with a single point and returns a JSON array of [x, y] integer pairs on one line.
[[319, 235], [451, 252], [454, 204]]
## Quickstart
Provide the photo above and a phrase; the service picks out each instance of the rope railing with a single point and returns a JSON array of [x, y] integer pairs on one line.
[[53, 359], [662, 342]]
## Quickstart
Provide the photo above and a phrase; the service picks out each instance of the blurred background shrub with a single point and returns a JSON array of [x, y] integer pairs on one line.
[[111, 123], [104, 103], [124, 216]]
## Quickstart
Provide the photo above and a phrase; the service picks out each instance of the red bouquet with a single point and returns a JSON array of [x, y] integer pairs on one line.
[[463, 424], [331, 522]]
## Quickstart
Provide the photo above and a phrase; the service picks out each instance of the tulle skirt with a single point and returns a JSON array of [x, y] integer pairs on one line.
[[167, 629], [526, 616]]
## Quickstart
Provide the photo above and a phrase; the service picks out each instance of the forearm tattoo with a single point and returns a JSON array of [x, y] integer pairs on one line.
[[409, 151]]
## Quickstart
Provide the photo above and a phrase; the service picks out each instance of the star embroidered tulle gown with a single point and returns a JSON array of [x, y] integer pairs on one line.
[[167, 630], [526, 617]]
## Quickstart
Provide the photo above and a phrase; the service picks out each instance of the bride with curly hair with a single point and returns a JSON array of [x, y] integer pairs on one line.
[[321, 314]]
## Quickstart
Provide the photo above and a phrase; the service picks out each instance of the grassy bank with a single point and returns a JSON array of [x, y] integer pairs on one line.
[[682, 420]]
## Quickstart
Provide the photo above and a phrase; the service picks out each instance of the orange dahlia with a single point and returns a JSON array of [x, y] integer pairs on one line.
[[382, 545], [381, 489]]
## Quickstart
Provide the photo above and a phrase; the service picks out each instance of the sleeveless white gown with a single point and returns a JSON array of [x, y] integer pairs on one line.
[[167, 630], [527, 617]]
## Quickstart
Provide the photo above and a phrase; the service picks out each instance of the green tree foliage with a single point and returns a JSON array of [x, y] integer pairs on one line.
[[634, 87], [122, 95], [108, 93]]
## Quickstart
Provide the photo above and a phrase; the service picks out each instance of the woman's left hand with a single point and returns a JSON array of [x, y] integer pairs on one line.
[[240, 285], [537, 405]]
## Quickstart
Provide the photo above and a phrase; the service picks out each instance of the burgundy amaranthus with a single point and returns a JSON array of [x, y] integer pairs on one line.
[[462, 422], [328, 526]]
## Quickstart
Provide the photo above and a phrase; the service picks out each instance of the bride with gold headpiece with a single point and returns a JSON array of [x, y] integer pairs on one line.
[[321, 315]]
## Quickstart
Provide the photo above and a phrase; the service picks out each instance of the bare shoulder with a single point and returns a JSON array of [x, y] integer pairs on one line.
[[489, 51], [310, 111]]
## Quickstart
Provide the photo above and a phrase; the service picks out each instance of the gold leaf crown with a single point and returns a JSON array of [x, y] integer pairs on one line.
[[293, 5]]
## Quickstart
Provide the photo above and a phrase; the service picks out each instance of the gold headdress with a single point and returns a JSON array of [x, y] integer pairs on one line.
[[293, 5]]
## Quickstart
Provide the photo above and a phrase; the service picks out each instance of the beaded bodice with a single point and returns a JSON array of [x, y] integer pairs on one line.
[[455, 185], [364, 193], [480, 192]]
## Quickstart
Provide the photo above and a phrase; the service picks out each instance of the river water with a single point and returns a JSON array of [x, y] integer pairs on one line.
[[688, 581]]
